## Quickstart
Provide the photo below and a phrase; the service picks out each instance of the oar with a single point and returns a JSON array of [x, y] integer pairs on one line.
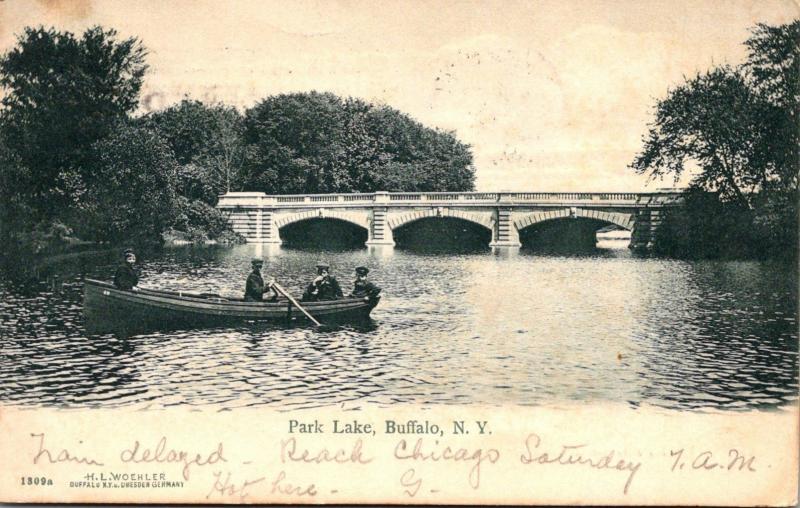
[[291, 299]]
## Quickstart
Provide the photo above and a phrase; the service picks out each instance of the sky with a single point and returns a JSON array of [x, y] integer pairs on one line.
[[550, 95]]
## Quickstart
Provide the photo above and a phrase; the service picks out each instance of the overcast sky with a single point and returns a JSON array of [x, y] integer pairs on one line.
[[550, 95]]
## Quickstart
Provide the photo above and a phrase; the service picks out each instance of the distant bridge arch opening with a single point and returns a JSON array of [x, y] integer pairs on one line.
[[359, 220], [442, 233], [569, 229], [327, 232]]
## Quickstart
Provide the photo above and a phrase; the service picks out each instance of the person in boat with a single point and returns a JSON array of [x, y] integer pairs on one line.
[[254, 288], [127, 276], [324, 287], [362, 288]]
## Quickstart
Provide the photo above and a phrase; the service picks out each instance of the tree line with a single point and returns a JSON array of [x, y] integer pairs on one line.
[[736, 128], [76, 160]]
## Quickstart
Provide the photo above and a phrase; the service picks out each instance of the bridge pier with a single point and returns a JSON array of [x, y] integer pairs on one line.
[[645, 225], [269, 231], [504, 232], [379, 231]]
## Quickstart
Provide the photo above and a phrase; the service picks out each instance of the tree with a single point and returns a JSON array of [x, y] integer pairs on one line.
[[133, 198], [318, 142], [207, 141], [774, 66], [415, 158], [63, 94], [294, 141], [229, 151], [712, 121], [15, 214], [774, 62], [739, 127]]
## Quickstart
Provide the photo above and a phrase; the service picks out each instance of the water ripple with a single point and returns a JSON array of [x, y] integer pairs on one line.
[[459, 329]]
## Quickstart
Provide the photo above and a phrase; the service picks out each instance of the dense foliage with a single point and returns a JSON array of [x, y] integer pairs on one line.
[[737, 129], [708, 227], [62, 94], [75, 162], [207, 142], [318, 143], [133, 162]]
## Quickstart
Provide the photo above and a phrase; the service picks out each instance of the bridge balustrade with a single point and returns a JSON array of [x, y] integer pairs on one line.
[[405, 197], [475, 197]]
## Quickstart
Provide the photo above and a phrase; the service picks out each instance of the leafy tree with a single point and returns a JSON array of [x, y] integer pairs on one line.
[[318, 142], [739, 128], [196, 183], [206, 141], [705, 227], [711, 121], [228, 155], [774, 66], [133, 199], [199, 220], [294, 140], [416, 158], [774, 62], [15, 214], [64, 93], [737, 125]]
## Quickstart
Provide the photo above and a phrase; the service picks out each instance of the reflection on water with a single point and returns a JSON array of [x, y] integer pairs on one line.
[[486, 327]]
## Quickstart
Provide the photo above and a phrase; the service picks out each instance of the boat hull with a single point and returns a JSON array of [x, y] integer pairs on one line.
[[109, 309]]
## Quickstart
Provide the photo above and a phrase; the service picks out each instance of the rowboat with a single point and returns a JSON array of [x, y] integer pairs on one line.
[[107, 307]]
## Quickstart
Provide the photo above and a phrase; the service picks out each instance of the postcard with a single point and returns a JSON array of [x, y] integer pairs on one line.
[[460, 252]]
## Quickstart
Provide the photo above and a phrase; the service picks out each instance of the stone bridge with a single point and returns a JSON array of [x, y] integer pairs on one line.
[[260, 217]]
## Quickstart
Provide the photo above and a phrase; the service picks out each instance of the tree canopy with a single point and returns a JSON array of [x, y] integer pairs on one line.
[[317, 142], [135, 190], [75, 158], [738, 128], [64, 93], [774, 64], [737, 125], [207, 143], [712, 121]]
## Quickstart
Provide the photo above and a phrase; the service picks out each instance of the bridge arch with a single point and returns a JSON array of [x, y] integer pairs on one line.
[[358, 219], [623, 220], [408, 217]]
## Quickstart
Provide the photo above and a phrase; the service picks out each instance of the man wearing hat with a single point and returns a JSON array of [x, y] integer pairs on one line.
[[126, 276], [324, 287], [254, 288], [362, 288]]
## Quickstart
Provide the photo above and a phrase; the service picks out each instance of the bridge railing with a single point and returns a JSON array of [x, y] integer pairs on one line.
[[354, 199]]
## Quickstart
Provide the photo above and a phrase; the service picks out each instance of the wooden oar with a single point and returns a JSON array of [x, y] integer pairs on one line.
[[291, 299]]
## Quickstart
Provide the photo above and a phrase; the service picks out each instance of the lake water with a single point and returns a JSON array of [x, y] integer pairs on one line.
[[478, 327]]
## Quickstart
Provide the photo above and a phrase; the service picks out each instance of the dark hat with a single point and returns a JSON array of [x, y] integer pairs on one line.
[[362, 270], [323, 265], [257, 262], [128, 251]]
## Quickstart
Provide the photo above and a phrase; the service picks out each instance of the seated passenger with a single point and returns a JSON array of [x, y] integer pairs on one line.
[[324, 287], [126, 276], [254, 288], [362, 288]]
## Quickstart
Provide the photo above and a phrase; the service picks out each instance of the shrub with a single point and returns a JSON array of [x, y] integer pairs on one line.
[[200, 221]]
